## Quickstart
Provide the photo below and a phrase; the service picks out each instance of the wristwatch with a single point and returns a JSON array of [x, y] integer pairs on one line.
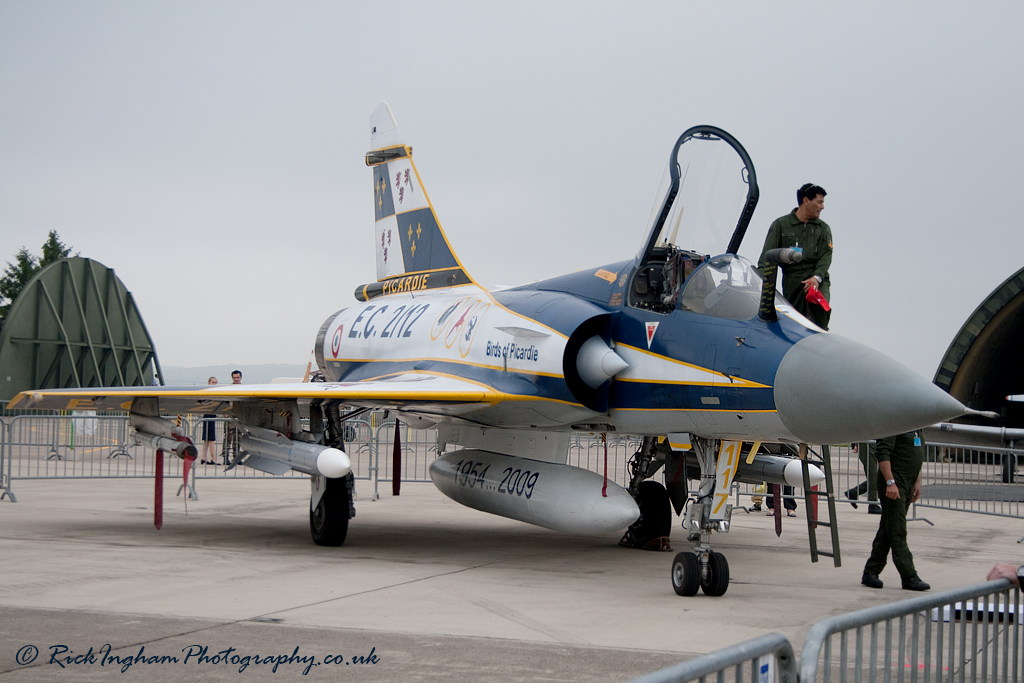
[[890, 482], [1020, 576]]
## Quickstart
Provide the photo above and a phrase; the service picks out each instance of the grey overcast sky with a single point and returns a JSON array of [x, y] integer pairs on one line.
[[212, 152]]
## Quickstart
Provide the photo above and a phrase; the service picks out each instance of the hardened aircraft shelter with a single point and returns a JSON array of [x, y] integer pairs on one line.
[[984, 364], [74, 325]]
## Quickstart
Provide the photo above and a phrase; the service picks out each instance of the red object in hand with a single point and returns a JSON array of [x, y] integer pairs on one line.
[[815, 297]]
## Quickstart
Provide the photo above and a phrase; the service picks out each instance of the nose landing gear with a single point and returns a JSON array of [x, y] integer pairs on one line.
[[709, 572], [703, 567]]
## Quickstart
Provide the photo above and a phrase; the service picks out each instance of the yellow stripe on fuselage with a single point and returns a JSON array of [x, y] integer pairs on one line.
[[696, 410], [733, 382]]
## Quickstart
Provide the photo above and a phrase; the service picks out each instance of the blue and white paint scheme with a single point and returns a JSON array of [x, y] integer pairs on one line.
[[674, 345]]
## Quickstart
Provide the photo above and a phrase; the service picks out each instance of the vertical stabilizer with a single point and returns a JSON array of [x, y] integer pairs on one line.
[[412, 250]]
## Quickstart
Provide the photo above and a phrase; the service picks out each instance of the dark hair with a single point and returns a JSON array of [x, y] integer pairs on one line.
[[809, 191], [236, 372]]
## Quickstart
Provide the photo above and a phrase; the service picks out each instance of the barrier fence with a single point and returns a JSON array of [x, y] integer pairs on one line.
[[952, 478], [91, 445], [5, 484], [971, 634], [966, 634], [972, 480], [760, 660], [87, 445]]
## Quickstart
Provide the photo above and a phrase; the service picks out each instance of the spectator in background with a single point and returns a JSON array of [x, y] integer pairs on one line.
[[230, 449], [209, 435]]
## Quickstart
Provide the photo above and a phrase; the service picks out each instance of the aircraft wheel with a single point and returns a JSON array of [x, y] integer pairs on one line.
[[328, 522], [717, 580], [655, 515], [685, 574]]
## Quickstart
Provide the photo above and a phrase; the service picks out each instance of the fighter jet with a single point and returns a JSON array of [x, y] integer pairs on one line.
[[681, 343]]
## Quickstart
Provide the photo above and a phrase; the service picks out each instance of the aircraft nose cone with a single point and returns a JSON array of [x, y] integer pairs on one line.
[[829, 389]]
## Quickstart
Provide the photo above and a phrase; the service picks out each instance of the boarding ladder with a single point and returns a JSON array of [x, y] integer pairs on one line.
[[824, 462]]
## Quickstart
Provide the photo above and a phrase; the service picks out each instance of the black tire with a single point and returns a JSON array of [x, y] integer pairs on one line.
[[328, 522], [717, 580], [655, 514], [685, 574]]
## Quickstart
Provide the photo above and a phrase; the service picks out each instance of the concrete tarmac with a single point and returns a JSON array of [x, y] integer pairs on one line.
[[423, 589]]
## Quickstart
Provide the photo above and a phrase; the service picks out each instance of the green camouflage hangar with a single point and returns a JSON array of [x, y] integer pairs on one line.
[[74, 324], [985, 362]]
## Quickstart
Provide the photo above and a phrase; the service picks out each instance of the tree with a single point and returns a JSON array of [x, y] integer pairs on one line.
[[25, 265], [53, 250]]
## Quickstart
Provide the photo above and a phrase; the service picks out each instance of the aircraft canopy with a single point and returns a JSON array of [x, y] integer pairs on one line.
[[706, 197], [725, 286]]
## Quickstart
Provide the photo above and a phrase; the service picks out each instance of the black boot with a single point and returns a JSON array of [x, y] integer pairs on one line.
[[915, 583], [871, 580]]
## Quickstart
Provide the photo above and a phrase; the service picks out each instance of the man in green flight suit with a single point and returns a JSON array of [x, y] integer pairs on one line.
[[802, 229], [899, 474]]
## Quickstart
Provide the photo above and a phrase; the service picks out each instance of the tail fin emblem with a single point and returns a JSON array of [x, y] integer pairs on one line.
[[401, 184], [385, 242]]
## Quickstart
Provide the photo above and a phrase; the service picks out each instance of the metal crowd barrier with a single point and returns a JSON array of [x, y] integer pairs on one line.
[[90, 445], [99, 445], [587, 451], [5, 482], [966, 634], [77, 446], [972, 480], [83, 445], [768, 658], [418, 449], [953, 478], [971, 634]]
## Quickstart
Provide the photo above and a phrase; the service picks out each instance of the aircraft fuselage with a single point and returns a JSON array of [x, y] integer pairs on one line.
[[686, 371]]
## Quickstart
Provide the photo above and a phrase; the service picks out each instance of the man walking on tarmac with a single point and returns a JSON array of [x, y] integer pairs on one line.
[[899, 474], [802, 229]]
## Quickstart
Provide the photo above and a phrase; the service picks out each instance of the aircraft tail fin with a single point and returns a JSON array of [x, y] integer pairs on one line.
[[412, 251]]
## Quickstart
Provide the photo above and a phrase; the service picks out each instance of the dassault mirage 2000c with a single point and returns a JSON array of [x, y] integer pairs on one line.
[[682, 344]]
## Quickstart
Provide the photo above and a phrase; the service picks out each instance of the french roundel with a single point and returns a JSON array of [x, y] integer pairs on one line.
[[336, 341]]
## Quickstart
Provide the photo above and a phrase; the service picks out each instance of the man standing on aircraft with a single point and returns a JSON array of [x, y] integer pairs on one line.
[[899, 474], [803, 229]]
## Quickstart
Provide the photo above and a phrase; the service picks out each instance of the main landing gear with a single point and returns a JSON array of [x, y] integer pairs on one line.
[[651, 531], [328, 517], [331, 502]]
